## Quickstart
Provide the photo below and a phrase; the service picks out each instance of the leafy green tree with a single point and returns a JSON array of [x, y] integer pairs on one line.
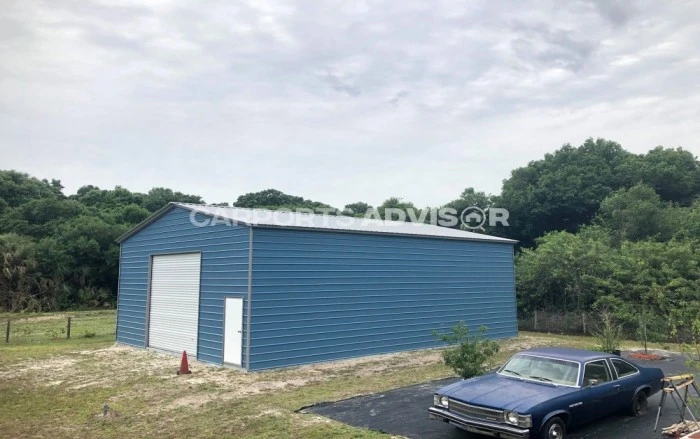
[[685, 222], [160, 196], [399, 205], [129, 214], [634, 214], [40, 217], [471, 198], [356, 209], [118, 197], [566, 271], [564, 190], [673, 173], [68, 256], [274, 199], [268, 198], [17, 188], [90, 243]]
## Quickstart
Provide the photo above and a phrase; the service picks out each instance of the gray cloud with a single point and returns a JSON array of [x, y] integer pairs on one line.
[[340, 85], [398, 97], [544, 47], [336, 101], [619, 12]]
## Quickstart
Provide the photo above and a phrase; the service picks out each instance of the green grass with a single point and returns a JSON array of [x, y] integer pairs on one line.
[[42, 334], [57, 388]]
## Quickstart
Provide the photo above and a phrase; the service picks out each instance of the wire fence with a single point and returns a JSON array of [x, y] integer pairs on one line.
[[57, 327], [654, 328], [558, 322]]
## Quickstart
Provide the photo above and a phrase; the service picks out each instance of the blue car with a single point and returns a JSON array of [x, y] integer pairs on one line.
[[540, 393]]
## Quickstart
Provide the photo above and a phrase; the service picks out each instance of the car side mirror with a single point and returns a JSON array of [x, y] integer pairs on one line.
[[592, 382]]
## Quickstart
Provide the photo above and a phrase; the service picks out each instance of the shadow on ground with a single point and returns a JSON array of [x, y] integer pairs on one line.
[[404, 412]]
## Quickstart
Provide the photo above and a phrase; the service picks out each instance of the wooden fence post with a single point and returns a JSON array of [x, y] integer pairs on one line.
[[7, 332], [68, 328], [535, 320], [584, 322]]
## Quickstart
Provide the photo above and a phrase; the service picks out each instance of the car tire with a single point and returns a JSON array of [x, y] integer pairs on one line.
[[554, 429], [638, 406]]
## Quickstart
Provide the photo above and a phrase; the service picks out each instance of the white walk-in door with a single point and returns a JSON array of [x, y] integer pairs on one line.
[[233, 330], [174, 302]]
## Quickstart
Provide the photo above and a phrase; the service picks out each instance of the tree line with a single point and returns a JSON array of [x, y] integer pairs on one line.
[[598, 227], [59, 252]]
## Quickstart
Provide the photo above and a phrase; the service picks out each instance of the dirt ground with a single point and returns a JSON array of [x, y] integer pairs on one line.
[[117, 391], [82, 369]]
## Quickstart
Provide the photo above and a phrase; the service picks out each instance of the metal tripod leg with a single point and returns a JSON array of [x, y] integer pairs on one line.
[[681, 410], [658, 412], [685, 402]]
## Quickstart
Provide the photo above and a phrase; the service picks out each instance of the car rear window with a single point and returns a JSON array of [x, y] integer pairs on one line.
[[623, 368]]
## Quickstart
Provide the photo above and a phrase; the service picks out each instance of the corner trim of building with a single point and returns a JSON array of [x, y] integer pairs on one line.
[[119, 281], [148, 302], [250, 295], [515, 296]]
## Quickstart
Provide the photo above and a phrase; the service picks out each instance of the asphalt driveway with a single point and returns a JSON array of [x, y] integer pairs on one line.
[[404, 412]]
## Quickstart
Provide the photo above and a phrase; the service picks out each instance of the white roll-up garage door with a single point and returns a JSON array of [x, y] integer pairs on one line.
[[174, 302]]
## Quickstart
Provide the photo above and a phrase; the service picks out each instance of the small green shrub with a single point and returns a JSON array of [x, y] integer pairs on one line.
[[608, 332], [55, 333], [469, 353]]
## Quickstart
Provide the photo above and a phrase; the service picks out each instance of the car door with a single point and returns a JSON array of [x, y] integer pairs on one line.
[[625, 374], [600, 392]]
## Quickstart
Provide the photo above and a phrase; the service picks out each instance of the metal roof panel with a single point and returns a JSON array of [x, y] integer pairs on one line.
[[300, 220]]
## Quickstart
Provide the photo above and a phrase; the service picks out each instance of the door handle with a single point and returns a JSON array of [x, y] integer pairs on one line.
[[617, 387]]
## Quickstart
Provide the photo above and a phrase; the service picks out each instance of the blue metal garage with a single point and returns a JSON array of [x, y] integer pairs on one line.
[[258, 289]]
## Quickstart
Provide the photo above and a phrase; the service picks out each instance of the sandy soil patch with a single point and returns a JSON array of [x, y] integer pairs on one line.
[[113, 366], [208, 382], [58, 366], [192, 401]]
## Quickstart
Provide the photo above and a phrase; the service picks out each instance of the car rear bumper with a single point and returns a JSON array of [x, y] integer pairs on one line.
[[478, 426]]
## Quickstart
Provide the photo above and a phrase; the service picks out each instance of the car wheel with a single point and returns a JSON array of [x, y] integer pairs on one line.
[[639, 404], [554, 429]]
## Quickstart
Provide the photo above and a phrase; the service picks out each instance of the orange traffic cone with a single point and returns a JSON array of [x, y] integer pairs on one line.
[[184, 365]]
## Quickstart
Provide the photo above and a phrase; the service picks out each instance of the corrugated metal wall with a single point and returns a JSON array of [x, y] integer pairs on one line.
[[321, 295], [224, 273]]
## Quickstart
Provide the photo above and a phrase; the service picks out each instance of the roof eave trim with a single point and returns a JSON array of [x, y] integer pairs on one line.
[[370, 232], [158, 214], [143, 224], [163, 210]]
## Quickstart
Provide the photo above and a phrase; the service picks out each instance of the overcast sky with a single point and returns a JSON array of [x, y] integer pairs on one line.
[[337, 101]]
